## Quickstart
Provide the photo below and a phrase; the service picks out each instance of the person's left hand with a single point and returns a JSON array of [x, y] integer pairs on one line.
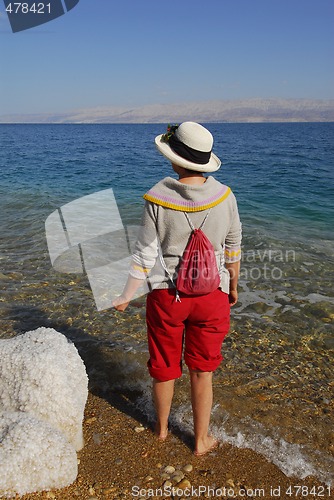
[[120, 303], [233, 297]]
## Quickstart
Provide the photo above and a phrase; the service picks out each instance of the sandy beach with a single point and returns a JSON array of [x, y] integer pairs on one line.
[[122, 458]]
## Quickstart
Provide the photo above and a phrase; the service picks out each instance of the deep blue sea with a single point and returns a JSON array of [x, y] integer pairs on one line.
[[274, 390]]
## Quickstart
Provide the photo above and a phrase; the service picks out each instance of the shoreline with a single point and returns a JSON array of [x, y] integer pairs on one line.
[[122, 459]]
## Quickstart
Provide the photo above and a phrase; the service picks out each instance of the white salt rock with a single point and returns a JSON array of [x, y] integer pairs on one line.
[[41, 373], [34, 456]]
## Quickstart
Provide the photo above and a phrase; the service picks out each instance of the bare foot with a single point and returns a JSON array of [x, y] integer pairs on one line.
[[161, 433], [206, 446]]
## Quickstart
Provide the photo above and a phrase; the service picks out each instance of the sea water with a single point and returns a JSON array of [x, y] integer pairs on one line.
[[274, 389]]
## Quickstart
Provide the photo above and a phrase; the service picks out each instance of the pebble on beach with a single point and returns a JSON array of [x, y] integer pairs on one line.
[[140, 428], [169, 469]]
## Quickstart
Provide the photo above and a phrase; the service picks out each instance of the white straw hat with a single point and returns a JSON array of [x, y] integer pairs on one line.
[[189, 145]]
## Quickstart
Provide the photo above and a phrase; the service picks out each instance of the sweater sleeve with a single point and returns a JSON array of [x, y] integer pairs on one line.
[[233, 238], [146, 249]]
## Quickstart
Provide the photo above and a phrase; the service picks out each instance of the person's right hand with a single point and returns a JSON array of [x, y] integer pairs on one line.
[[120, 303]]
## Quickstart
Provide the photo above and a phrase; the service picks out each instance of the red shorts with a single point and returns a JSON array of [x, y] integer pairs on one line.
[[199, 322]]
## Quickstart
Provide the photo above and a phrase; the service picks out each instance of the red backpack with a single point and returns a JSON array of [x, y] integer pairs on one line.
[[198, 272]]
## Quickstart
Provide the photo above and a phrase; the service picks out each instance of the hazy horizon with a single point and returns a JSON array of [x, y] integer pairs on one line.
[[238, 110]]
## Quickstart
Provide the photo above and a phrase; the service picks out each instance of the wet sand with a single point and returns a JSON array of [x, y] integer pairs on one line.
[[122, 458]]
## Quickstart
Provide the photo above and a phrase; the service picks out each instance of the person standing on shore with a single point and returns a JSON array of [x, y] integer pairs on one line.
[[197, 323]]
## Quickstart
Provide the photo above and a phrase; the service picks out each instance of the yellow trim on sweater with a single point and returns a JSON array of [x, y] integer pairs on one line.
[[184, 208], [136, 267], [232, 253]]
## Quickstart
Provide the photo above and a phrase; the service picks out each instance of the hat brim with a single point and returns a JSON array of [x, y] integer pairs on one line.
[[165, 149]]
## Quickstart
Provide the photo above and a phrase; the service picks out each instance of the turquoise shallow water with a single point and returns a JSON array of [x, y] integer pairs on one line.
[[276, 381]]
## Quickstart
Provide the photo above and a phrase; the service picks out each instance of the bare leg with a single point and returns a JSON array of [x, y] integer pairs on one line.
[[201, 399], [162, 396]]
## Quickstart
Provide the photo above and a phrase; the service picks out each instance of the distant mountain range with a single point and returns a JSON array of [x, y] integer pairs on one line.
[[246, 110]]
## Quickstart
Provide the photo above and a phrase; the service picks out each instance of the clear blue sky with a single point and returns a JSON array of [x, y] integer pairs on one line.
[[135, 52]]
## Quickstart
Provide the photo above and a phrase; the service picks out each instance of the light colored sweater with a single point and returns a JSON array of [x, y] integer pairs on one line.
[[164, 221]]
